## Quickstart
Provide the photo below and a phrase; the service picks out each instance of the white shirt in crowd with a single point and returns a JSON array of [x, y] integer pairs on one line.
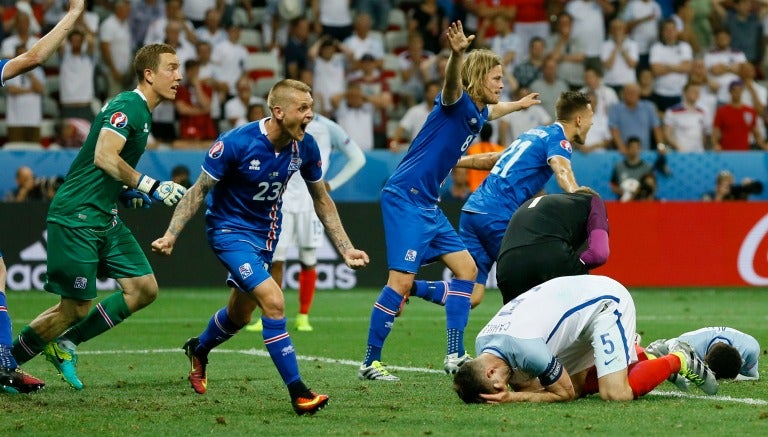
[[26, 109], [670, 84]]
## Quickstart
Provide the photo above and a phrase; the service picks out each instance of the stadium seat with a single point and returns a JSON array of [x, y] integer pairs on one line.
[[251, 39], [262, 64], [262, 86], [396, 41], [20, 145], [397, 20]]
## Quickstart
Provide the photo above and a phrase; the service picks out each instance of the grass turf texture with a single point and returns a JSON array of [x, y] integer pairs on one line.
[[135, 375]]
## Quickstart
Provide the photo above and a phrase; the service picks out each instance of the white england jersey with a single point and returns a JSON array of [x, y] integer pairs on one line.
[[749, 349], [560, 318]]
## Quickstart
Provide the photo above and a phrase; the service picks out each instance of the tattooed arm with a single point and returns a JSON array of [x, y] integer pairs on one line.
[[326, 211], [185, 209]]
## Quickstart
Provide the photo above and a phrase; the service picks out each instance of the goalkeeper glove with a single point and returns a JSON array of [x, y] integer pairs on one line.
[[168, 192], [134, 199]]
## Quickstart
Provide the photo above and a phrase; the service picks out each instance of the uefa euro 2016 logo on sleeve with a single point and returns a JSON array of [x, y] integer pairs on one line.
[[216, 150], [118, 120]]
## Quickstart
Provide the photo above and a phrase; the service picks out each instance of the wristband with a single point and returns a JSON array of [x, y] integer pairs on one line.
[[147, 184]]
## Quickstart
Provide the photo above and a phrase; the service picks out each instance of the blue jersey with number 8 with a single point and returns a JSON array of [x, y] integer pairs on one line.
[[252, 178], [521, 171]]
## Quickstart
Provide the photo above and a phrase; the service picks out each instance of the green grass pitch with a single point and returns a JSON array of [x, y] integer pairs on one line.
[[135, 375]]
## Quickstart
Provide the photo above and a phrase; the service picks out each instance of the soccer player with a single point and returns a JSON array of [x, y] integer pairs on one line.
[[566, 338], [730, 353], [546, 238], [86, 238], [12, 378], [300, 223], [246, 171], [416, 230]]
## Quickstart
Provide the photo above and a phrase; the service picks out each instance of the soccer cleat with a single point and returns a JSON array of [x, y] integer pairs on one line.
[[657, 348], [302, 323], [679, 381], [197, 375], [453, 361], [692, 368], [256, 326], [311, 403], [17, 381], [376, 371], [61, 353]]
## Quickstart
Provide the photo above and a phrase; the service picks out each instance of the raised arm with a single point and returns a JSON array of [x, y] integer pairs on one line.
[[563, 173], [45, 47], [458, 42]]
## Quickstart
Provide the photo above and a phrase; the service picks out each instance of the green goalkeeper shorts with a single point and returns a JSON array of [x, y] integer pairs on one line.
[[77, 256]]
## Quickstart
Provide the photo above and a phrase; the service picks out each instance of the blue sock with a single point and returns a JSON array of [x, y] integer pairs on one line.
[[280, 348], [6, 335], [457, 306], [220, 329], [433, 291], [382, 319]]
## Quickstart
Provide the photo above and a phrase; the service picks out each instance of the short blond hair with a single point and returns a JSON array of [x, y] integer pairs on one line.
[[477, 64], [280, 93], [148, 58]]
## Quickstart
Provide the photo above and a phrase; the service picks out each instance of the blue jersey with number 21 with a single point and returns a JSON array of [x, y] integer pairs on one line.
[[251, 180], [445, 136], [521, 171]]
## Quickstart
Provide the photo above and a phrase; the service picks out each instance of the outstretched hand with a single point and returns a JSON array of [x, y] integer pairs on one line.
[[456, 38], [529, 100], [356, 259]]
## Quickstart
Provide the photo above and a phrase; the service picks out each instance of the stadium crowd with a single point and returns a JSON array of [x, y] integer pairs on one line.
[[679, 75]]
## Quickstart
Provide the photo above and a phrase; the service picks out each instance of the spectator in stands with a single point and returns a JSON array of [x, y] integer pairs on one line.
[[726, 188], [619, 54], [26, 188], [143, 13], [708, 89], [686, 127], [332, 18], [645, 80], [377, 9], [599, 138], [229, 57], [376, 90], [211, 31], [73, 133], [116, 48], [606, 96], [184, 50], [295, 52], [274, 25], [589, 27], [410, 63], [754, 95], [363, 41], [194, 10], [634, 117], [531, 20], [180, 175], [236, 108], [568, 52], [515, 123], [476, 177], [256, 111], [504, 42], [633, 178], [429, 19], [671, 61], [434, 68], [702, 23], [330, 59], [744, 24], [733, 123], [76, 71], [209, 74], [642, 17], [530, 69], [410, 124], [156, 30], [458, 189], [355, 113], [723, 63], [549, 86], [22, 36], [193, 106], [683, 18], [24, 104]]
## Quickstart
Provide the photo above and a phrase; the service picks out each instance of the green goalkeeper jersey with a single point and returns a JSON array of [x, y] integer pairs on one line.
[[88, 197]]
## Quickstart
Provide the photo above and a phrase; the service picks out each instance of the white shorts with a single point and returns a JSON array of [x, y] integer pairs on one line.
[[609, 345], [301, 229]]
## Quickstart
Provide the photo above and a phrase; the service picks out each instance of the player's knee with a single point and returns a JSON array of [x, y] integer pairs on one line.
[[272, 306]]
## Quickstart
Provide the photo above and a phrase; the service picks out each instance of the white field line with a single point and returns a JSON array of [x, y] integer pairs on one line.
[[263, 353]]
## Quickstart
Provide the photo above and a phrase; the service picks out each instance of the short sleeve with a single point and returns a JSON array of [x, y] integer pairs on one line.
[[220, 157], [124, 116], [312, 164]]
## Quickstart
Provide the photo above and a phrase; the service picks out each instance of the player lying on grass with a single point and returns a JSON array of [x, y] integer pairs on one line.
[[566, 338], [729, 353]]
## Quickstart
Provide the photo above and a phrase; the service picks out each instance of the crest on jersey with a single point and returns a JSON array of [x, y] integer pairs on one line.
[[118, 120], [295, 164], [748, 118], [245, 270], [565, 144], [216, 150]]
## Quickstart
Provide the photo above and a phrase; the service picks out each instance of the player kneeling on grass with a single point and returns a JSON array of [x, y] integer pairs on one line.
[[729, 353], [566, 338]]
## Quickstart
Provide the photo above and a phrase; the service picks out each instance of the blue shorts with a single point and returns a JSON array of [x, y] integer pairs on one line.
[[482, 235], [415, 235], [248, 265]]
